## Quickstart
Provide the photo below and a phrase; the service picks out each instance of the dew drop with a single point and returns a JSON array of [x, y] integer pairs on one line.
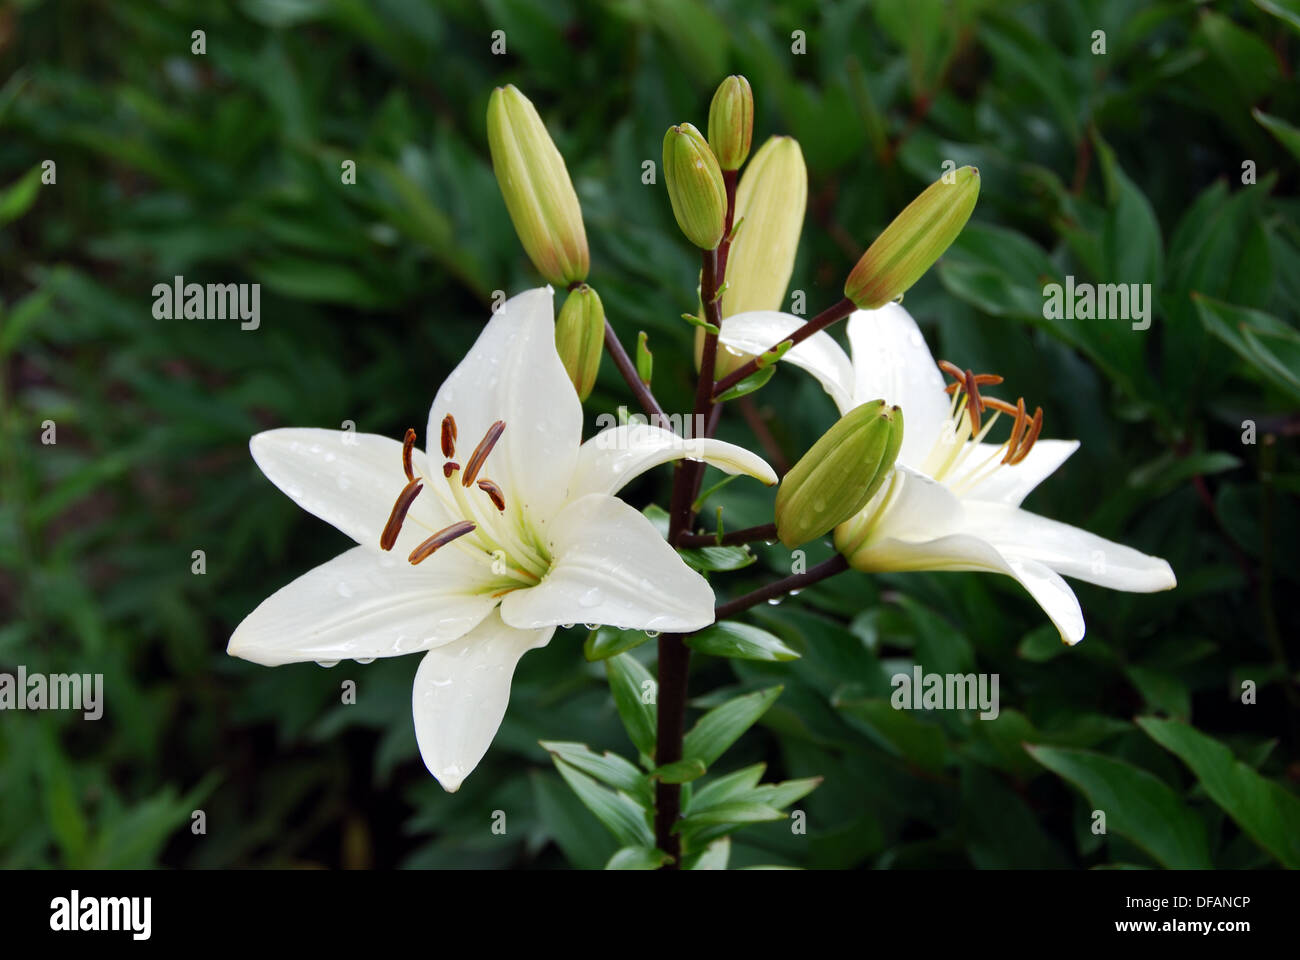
[[652, 634], [327, 663], [592, 626], [343, 589], [567, 626], [364, 660], [591, 598], [795, 593], [774, 601]]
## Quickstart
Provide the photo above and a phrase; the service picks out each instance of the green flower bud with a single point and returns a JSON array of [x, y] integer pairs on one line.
[[580, 337], [914, 241], [695, 186], [536, 187], [840, 474], [731, 122], [770, 204]]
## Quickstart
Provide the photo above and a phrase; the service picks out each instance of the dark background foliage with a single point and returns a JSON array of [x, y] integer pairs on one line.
[[225, 167]]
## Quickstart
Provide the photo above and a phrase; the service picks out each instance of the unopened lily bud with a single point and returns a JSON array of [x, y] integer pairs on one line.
[[840, 474], [536, 186], [580, 337], [695, 186], [731, 122], [914, 241], [770, 204]]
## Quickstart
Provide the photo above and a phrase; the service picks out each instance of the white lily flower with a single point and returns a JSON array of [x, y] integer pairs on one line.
[[475, 557], [953, 501]]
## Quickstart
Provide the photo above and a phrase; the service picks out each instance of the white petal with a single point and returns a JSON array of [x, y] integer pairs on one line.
[[760, 330], [965, 552], [364, 604], [612, 567], [460, 696], [1010, 483], [350, 480], [891, 362], [1067, 550], [513, 373], [614, 457]]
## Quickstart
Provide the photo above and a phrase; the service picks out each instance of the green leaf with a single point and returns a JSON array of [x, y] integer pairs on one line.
[[726, 788], [722, 726], [1257, 338], [713, 857], [1286, 134], [754, 381], [608, 768], [740, 640], [1137, 805], [17, 198], [711, 559], [731, 814], [605, 642], [632, 685], [1288, 11], [901, 733], [683, 771], [1265, 810], [638, 858], [626, 819]]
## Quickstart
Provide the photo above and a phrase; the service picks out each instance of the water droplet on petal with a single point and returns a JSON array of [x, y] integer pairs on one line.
[[343, 589], [364, 660], [652, 634], [591, 598], [327, 663], [592, 626], [567, 626]]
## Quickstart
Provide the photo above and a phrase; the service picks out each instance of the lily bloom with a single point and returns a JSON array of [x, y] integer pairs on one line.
[[473, 552], [953, 501]]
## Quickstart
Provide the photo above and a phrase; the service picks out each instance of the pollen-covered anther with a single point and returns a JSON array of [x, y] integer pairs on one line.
[[407, 444], [440, 539], [494, 493], [398, 515], [448, 468], [480, 454], [449, 436]]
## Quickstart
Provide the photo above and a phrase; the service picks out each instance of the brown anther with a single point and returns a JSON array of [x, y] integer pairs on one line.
[[1031, 435], [480, 455], [1017, 431], [407, 444], [1001, 406], [395, 519], [494, 492], [448, 468], [439, 540], [449, 436], [952, 370], [975, 406]]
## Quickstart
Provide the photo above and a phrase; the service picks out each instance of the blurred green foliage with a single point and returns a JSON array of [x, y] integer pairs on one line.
[[224, 167]]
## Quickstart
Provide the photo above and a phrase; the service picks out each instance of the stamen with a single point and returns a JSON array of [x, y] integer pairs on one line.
[[494, 492], [440, 539], [976, 405], [1017, 431], [449, 436], [983, 379], [476, 460], [407, 444], [395, 519], [448, 468], [1031, 435], [952, 370]]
